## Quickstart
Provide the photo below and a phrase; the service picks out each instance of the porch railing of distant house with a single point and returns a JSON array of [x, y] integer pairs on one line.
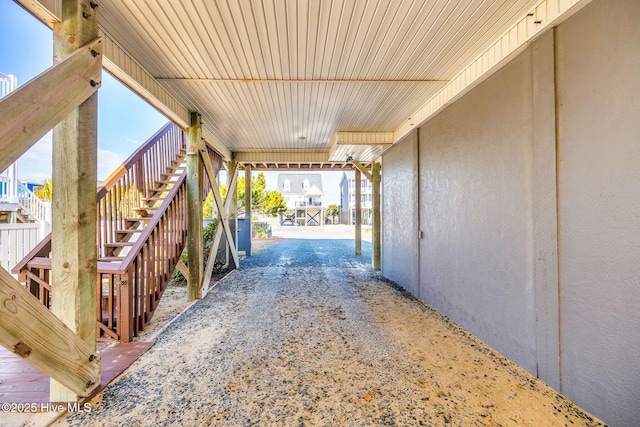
[[35, 207], [29, 203], [308, 204], [129, 290]]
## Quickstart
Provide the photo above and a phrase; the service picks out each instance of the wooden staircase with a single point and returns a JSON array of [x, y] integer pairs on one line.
[[142, 230], [125, 238]]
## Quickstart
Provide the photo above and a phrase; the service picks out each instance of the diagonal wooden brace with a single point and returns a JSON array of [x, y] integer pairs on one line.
[[218, 234], [222, 210], [30, 330], [31, 111], [364, 172]]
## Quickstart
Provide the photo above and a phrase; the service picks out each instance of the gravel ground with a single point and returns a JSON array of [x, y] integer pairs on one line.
[[306, 334]]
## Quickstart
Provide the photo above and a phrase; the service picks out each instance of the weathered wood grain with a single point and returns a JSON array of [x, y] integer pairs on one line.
[[30, 330]]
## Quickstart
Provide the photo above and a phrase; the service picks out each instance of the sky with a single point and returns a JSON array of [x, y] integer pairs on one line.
[[125, 121]]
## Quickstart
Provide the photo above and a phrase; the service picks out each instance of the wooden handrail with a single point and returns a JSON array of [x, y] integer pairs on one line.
[[115, 176], [129, 290], [42, 249], [144, 236]]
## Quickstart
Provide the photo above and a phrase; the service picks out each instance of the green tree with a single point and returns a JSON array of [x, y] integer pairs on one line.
[[207, 207], [261, 200], [45, 191], [273, 203], [332, 210]]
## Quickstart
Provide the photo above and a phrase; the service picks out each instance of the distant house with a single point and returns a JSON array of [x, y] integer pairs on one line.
[[302, 193], [348, 199]]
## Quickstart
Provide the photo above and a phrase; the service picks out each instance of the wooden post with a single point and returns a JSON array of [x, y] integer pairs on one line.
[[358, 213], [31, 331], [74, 78], [247, 203], [232, 170], [195, 246], [73, 244], [375, 237]]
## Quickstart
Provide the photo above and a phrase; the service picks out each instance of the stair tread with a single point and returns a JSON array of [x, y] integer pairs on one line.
[[159, 190], [119, 244], [129, 231], [110, 258], [138, 219]]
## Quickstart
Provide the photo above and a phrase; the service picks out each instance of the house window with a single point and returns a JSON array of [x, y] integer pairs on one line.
[[287, 185]]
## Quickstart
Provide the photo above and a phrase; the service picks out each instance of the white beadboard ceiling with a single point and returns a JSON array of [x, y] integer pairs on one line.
[[263, 74]]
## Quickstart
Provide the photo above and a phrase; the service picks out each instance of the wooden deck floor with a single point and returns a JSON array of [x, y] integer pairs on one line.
[[22, 383]]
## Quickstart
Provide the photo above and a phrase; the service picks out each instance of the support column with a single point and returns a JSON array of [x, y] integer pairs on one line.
[[232, 170], [247, 205], [375, 237], [195, 247], [73, 243], [358, 213], [13, 183]]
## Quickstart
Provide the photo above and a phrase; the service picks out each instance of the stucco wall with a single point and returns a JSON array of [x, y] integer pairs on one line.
[[529, 200], [400, 214], [475, 178], [598, 75]]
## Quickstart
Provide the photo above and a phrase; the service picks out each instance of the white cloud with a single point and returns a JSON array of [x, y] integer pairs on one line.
[[35, 164], [108, 161]]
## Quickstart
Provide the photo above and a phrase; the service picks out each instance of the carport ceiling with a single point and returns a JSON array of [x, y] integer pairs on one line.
[[282, 75]]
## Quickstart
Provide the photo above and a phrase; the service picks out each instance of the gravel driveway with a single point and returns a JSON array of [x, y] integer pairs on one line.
[[306, 334]]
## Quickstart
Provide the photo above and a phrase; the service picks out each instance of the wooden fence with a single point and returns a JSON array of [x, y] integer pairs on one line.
[[16, 241]]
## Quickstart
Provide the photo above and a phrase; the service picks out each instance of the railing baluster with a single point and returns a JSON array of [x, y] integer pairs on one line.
[[132, 289]]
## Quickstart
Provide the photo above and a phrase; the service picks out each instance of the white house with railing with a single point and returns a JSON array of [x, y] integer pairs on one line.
[[25, 219], [303, 194]]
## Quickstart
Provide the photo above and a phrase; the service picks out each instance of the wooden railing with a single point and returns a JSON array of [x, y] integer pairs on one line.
[[141, 208], [132, 289], [35, 207], [124, 191], [17, 192]]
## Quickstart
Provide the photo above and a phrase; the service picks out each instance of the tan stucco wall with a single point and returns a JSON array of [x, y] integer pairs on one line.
[[400, 214], [529, 200], [475, 179], [598, 75]]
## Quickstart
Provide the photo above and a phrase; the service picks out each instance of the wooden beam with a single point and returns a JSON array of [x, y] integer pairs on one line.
[[32, 110], [247, 206], [358, 185], [34, 333], [75, 149], [231, 200], [364, 172], [222, 215], [182, 268], [195, 245], [217, 198], [215, 144], [120, 64], [218, 234], [375, 233]]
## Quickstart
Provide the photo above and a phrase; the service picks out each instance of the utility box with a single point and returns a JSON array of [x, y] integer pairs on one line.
[[244, 235]]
